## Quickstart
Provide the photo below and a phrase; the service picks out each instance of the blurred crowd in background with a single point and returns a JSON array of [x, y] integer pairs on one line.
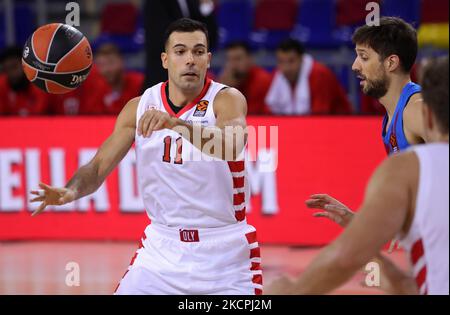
[[288, 57]]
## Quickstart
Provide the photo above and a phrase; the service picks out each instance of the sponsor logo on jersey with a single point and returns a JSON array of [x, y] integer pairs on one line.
[[201, 108], [393, 142]]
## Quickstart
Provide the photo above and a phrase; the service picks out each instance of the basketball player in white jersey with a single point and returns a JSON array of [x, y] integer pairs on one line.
[[198, 241], [407, 196]]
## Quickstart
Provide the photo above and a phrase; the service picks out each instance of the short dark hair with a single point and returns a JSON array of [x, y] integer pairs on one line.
[[392, 37], [435, 90], [291, 45], [10, 53], [186, 25], [108, 49], [239, 44]]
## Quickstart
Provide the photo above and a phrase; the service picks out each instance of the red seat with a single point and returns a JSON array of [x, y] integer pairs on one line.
[[352, 12], [275, 14], [434, 11], [119, 19]]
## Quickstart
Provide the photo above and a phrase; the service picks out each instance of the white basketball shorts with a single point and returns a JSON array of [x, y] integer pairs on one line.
[[224, 261]]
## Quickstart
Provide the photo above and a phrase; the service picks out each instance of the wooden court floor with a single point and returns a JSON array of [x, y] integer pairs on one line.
[[40, 267]]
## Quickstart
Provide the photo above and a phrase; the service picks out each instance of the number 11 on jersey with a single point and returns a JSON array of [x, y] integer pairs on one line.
[[167, 145]]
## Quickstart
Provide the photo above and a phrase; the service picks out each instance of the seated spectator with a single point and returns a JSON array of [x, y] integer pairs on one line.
[[241, 73], [302, 86], [81, 101], [121, 85], [18, 96]]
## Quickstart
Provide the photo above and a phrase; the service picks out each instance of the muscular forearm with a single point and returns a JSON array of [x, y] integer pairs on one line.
[[323, 276], [85, 181], [223, 143]]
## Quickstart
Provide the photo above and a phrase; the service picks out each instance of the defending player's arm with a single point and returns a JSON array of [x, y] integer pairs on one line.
[[89, 177], [334, 210], [384, 213], [226, 140]]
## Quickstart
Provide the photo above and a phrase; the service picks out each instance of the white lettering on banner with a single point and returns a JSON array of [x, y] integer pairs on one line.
[[99, 198], [58, 176], [261, 177], [129, 200], [264, 182], [33, 175], [10, 180]]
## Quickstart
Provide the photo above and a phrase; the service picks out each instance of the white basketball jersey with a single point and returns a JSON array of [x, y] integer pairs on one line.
[[177, 190], [427, 240]]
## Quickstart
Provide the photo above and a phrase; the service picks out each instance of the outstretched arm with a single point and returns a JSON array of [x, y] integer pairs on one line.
[[89, 177], [384, 213]]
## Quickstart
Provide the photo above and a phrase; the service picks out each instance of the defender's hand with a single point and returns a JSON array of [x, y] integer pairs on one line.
[[335, 210], [153, 120], [51, 196]]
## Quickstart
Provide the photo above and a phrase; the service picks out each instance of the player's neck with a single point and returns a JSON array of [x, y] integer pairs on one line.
[[181, 97], [390, 100]]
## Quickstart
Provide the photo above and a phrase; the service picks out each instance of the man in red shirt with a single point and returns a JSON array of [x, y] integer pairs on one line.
[[303, 86], [17, 95], [82, 101], [119, 86], [241, 73]]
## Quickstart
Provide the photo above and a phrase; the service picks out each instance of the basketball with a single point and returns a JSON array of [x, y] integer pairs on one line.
[[57, 58]]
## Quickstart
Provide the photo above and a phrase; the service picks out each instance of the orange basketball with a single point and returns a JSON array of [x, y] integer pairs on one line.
[[57, 58]]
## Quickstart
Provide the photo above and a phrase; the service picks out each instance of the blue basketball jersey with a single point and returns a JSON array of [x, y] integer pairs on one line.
[[394, 139]]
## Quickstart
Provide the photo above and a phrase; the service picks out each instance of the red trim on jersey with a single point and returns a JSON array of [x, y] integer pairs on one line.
[[421, 277], [417, 251], [240, 215], [257, 279], [251, 237], [238, 182], [236, 166], [255, 252], [188, 106], [256, 266], [238, 199]]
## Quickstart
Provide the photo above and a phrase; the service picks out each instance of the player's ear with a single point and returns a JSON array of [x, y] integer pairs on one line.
[[209, 59], [392, 63], [164, 60]]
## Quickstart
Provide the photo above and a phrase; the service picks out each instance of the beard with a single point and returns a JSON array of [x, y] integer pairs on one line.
[[377, 88]]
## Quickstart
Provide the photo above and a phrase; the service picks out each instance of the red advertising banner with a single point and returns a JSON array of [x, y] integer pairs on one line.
[[300, 156]]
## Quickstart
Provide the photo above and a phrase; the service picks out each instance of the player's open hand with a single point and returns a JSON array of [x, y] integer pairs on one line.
[[48, 195], [335, 210], [153, 120]]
